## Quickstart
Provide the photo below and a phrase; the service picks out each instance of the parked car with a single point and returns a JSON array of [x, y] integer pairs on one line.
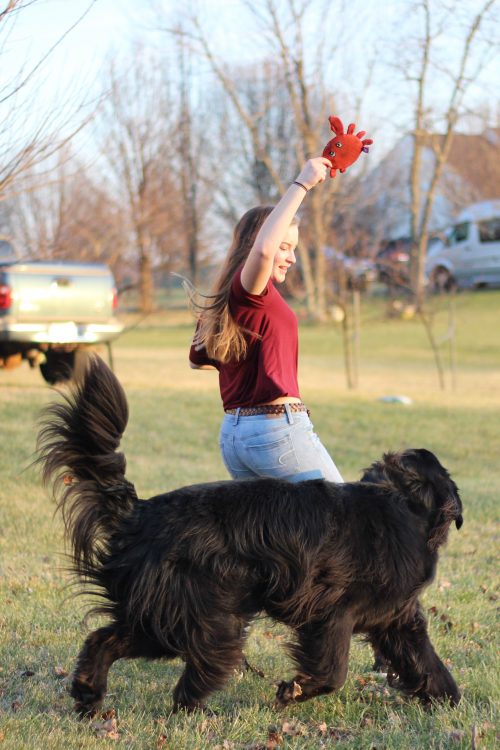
[[50, 310], [357, 273], [469, 255], [392, 262]]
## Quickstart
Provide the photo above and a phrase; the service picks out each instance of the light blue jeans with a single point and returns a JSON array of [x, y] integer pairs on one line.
[[283, 447]]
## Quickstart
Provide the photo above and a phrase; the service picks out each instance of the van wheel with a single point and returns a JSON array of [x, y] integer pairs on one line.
[[443, 281], [58, 366]]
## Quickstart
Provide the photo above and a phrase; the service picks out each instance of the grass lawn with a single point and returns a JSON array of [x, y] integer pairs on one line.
[[172, 440]]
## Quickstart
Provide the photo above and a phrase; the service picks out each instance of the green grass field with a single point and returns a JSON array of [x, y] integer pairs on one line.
[[172, 440]]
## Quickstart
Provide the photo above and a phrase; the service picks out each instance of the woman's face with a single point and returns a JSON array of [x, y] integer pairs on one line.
[[285, 257]]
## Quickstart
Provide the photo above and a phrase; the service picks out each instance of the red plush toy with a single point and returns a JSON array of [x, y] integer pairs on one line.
[[344, 149]]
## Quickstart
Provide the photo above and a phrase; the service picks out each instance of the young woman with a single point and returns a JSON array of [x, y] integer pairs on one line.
[[250, 335]]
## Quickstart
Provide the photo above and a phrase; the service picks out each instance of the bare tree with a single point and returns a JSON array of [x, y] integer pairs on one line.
[[71, 217], [192, 159], [423, 196], [135, 132], [28, 140], [299, 75]]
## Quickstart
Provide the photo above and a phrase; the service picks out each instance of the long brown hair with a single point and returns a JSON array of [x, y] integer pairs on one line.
[[217, 331]]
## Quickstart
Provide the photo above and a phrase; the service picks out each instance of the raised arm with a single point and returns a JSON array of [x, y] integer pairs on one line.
[[259, 264]]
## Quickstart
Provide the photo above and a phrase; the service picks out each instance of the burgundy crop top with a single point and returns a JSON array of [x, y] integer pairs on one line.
[[269, 369]]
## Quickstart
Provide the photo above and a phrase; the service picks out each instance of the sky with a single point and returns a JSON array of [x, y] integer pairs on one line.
[[105, 25], [110, 26]]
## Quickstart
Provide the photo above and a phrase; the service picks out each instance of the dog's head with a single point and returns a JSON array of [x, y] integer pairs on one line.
[[426, 485]]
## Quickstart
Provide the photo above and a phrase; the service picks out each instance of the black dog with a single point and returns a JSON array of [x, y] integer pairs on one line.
[[183, 573]]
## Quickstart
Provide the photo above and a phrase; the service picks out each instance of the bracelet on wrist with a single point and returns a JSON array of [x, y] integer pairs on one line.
[[296, 182]]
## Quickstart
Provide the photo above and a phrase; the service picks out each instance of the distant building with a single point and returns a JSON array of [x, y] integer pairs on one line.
[[471, 174], [7, 252]]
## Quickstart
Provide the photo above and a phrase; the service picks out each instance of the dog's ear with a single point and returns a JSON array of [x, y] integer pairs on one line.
[[437, 491], [379, 471], [426, 486], [402, 472]]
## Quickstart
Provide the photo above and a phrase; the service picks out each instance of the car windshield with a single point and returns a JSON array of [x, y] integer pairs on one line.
[[460, 232]]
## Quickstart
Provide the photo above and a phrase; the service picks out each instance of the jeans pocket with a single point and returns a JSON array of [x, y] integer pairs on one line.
[[270, 452], [227, 452]]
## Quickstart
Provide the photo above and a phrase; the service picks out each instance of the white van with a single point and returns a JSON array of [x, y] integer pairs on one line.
[[469, 256]]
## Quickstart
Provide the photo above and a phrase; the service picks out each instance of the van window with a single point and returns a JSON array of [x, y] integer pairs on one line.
[[460, 232], [489, 231]]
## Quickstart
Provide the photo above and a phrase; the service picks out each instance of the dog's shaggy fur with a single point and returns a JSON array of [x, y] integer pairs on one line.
[[182, 574]]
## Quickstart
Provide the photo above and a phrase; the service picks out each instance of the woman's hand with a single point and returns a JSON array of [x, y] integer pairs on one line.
[[314, 171]]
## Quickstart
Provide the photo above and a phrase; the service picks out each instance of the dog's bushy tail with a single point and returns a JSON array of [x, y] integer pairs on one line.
[[77, 449]]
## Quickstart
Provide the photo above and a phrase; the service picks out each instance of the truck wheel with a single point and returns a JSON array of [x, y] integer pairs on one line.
[[12, 360], [443, 281], [58, 366]]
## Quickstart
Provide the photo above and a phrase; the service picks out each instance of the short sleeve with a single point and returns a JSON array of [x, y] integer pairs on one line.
[[198, 356], [239, 297]]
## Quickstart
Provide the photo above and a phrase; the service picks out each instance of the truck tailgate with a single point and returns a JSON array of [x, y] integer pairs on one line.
[[61, 292]]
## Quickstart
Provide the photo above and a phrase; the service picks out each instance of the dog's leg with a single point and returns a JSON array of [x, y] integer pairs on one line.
[[417, 669], [322, 657], [209, 663], [100, 650]]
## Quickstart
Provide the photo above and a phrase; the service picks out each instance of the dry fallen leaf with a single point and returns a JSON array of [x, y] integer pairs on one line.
[[107, 727], [322, 728], [274, 738], [293, 728], [360, 682], [297, 690]]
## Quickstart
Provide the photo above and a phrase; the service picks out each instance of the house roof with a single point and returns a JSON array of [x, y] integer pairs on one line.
[[475, 159]]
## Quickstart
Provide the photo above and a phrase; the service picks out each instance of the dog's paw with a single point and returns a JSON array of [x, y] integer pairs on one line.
[[87, 700], [287, 693], [86, 710]]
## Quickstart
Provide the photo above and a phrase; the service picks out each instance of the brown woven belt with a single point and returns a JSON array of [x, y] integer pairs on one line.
[[250, 411]]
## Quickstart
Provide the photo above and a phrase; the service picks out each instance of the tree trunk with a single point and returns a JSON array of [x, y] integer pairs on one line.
[[307, 276], [318, 243], [146, 283]]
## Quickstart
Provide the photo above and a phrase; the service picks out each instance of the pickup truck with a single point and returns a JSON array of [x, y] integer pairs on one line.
[[51, 310], [469, 255]]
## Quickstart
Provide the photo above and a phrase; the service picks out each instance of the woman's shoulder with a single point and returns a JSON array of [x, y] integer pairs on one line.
[[240, 296]]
